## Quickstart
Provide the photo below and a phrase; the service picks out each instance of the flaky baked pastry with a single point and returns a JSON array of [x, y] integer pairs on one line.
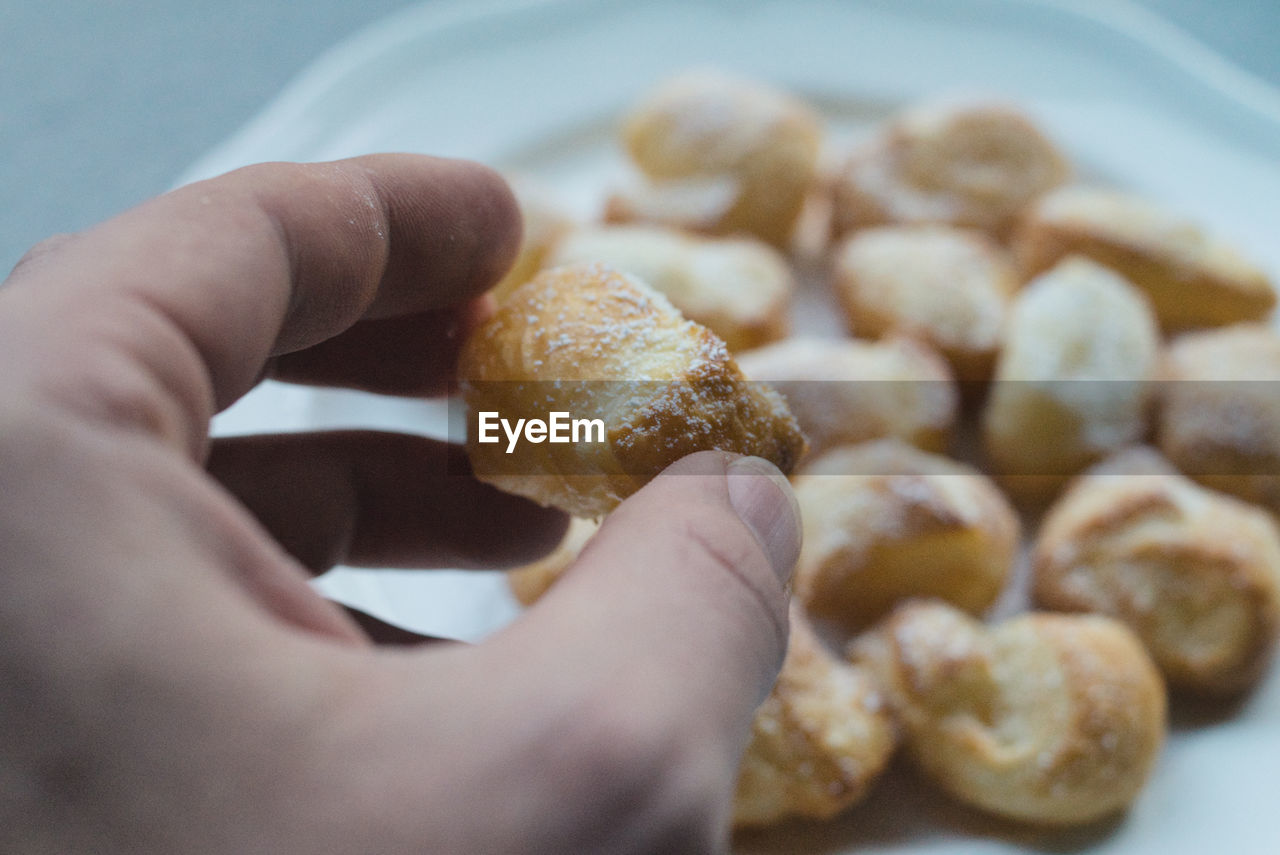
[[846, 391], [1044, 718], [884, 522], [947, 286], [529, 582], [819, 740], [597, 345], [545, 221], [972, 163], [1194, 573], [1072, 382], [720, 154], [1219, 414], [738, 288], [1191, 278]]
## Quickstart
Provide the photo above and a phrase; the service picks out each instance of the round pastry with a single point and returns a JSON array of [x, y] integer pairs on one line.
[[819, 740], [738, 288], [844, 391], [720, 155], [964, 163], [1191, 279], [544, 224], [884, 522], [949, 287], [1072, 382], [1219, 415], [1194, 573], [530, 582], [1044, 718], [586, 383]]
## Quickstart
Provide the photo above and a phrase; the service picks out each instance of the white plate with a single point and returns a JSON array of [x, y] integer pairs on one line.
[[537, 87]]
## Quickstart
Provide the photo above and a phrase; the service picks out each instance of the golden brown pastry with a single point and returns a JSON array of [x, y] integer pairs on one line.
[[1072, 381], [884, 522], [544, 224], [975, 164], [530, 582], [738, 288], [844, 391], [1194, 573], [949, 287], [1044, 718], [615, 358], [720, 155], [818, 741], [1219, 417], [1191, 278]]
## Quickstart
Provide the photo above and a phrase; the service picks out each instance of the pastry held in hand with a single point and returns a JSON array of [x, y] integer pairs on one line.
[[1191, 278], [818, 742], [1194, 573], [600, 346], [885, 522], [1044, 718]]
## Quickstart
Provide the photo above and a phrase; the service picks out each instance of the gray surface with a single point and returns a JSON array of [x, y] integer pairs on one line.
[[103, 104]]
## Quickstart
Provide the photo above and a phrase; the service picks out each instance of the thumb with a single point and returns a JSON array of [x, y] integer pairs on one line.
[[679, 602]]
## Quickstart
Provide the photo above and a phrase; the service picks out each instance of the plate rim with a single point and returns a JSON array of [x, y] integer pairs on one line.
[[1251, 97]]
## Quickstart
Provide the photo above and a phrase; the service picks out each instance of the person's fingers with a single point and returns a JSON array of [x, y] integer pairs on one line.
[[380, 499], [678, 605], [629, 688], [175, 306], [411, 355]]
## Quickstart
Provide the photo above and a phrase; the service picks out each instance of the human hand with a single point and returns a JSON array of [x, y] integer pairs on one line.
[[169, 682]]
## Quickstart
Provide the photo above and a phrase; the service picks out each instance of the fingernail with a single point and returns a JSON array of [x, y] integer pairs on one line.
[[760, 494]]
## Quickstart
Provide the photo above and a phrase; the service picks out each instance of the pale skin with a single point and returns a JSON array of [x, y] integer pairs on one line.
[[169, 682]]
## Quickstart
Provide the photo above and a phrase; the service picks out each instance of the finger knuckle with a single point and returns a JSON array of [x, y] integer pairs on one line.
[[37, 254], [115, 385]]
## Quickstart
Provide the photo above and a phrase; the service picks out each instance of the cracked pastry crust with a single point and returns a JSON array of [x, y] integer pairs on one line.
[[1194, 573], [947, 286], [846, 391], [884, 522], [595, 343], [1191, 278], [1044, 718], [974, 164], [721, 155], [1219, 415], [819, 740], [1072, 382], [738, 288]]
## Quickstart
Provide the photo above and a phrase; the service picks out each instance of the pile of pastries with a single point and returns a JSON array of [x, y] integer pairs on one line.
[[1040, 376]]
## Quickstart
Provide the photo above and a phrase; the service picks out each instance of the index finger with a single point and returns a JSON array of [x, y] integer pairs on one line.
[[195, 290]]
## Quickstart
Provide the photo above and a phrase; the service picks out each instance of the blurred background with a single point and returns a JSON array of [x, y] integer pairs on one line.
[[103, 103]]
